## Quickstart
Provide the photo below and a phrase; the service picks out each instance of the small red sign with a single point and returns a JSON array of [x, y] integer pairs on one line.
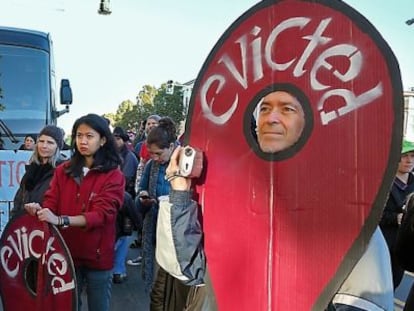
[[284, 226], [36, 270]]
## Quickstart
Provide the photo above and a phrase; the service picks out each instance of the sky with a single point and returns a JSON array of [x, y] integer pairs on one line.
[[108, 58]]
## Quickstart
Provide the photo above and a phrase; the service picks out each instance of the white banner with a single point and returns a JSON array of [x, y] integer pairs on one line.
[[12, 169]]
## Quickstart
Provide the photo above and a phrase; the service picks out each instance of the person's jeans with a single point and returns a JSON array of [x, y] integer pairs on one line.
[[121, 252], [98, 288]]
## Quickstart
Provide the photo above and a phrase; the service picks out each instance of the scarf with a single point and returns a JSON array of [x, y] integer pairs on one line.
[[35, 173]]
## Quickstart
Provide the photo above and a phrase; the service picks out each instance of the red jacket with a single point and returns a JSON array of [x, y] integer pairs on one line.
[[98, 197]]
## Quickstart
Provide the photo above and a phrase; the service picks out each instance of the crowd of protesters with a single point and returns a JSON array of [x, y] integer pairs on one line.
[[114, 183]]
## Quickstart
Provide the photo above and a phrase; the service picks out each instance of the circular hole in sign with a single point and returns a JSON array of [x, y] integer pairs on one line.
[[278, 121], [30, 275]]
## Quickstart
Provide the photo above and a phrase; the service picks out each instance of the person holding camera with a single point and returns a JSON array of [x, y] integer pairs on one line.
[[182, 281]]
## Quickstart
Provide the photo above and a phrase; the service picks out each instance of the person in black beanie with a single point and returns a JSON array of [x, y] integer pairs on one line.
[[39, 171], [129, 161], [54, 132], [129, 167]]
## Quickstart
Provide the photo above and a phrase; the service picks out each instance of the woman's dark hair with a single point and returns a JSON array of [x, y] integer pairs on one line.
[[164, 134], [32, 136], [106, 158]]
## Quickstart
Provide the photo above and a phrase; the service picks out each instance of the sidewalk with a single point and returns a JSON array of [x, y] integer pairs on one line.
[[129, 295]]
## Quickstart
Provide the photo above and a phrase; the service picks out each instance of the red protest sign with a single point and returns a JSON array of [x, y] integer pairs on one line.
[[297, 219], [36, 271]]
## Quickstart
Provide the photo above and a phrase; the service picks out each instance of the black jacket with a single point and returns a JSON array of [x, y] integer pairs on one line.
[[127, 218], [33, 186], [393, 207]]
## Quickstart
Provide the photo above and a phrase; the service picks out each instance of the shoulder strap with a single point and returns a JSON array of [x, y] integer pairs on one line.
[[153, 177]]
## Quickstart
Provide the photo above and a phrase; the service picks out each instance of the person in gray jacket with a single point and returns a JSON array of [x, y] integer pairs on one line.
[[182, 281]]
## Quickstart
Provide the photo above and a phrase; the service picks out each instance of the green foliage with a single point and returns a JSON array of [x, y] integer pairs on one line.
[[170, 105], [150, 100], [126, 115], [111, 117], [146, 95]]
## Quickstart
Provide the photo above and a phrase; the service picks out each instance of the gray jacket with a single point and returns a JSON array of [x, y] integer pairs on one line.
[[179, 249]]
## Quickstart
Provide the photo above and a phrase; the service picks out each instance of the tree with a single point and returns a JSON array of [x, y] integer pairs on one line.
[[126, 115], [145, 102], [146, 95], [170, 104], [149, 100]]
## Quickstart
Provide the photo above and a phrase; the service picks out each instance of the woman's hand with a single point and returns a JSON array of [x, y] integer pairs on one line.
[[47, 215], [32, 208], [145, 199], [177, 181], [43, 214]]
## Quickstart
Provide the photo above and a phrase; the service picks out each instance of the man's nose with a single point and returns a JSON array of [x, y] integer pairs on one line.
[[274, 116]]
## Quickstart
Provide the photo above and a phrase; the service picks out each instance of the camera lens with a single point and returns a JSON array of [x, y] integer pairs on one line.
[[188, 152]]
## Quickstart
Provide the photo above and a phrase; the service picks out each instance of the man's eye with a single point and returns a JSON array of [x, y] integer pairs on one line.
[[289, 109], [264, 109]]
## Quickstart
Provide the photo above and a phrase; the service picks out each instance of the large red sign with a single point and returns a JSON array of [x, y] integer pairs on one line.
[[36, 270], [283, 229]]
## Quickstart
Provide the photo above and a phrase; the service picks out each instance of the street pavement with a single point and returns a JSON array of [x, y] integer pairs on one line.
[[129, 295]]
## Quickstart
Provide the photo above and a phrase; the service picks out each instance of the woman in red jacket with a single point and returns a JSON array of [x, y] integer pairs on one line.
[[84, 197]]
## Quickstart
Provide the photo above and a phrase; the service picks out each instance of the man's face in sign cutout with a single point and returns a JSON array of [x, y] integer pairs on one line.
[[280, 121]]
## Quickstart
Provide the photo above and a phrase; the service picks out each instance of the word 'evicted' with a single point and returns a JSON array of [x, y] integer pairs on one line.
[[265, 57], [21, 247]]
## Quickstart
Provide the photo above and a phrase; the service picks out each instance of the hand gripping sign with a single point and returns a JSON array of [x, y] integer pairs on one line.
[[298, 109], [36, 270]]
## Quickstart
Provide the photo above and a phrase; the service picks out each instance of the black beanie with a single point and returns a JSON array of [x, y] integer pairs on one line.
[[54, 132]]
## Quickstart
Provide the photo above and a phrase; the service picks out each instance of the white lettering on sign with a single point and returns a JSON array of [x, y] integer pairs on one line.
[[21, 246], [58, 266], [208, 106], [216, 83]]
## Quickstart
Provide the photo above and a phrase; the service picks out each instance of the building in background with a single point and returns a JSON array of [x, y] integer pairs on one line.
[[409, 114]]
